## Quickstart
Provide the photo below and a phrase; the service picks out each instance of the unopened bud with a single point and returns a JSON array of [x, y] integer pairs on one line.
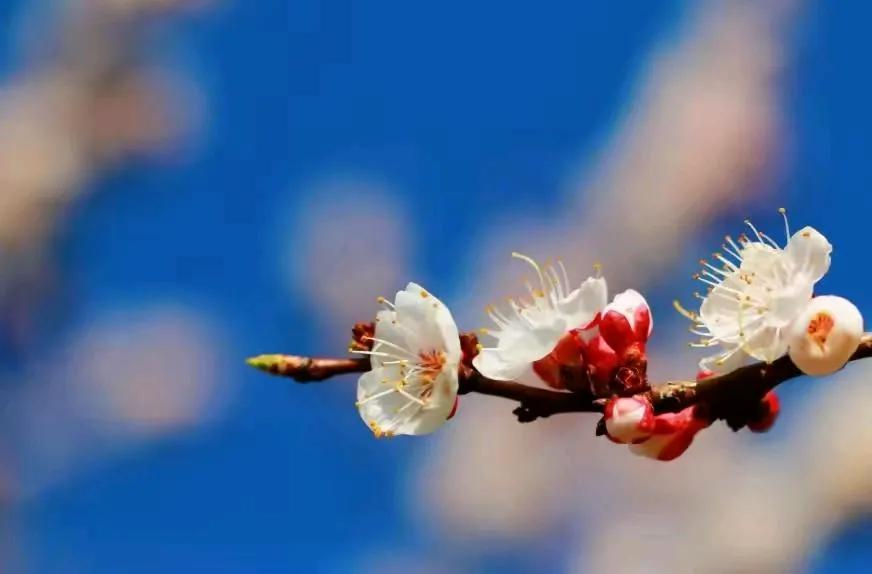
[[673, 435], [765, 418], [629, 420], [626, 320], [825, 335]]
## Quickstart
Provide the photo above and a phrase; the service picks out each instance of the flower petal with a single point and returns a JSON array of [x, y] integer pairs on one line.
[[427, 322], [808, 252], [766, 343], [581, 306], [727, 361], [516, 351], [391, 413]]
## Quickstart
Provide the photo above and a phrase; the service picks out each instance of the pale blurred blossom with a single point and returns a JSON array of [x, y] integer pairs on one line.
[[129, 376], [348, 243]]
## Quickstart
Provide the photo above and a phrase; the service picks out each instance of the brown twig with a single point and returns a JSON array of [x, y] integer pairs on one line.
[[307, 369], [730, 397]]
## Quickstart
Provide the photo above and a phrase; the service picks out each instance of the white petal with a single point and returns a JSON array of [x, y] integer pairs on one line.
[[825, 335], [381, 412], [435, 413], [428, 324], [789, 302], [581, 306], [759, 258], [719, 312], [393, 413], [809, 253], [726, 361], [766, 343], [516, 350]]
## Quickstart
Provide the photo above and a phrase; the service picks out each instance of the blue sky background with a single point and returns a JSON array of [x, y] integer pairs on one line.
[[473, 111]]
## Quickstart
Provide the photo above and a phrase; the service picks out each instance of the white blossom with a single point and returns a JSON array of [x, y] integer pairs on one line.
[[531, 328], [825, 335], [756, 290], [415, 357]]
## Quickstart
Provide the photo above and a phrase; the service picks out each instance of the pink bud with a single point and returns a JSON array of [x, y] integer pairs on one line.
[[673, 435], [626, 320], [601, 361], [770, 407], [629, 420]]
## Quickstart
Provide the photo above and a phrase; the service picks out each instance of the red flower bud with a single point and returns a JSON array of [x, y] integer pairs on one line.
[[769, 409], [629, 420], [625, 321], [673, 435]]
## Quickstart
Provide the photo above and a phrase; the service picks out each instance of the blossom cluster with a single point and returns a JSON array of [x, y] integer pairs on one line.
[[759, 305]]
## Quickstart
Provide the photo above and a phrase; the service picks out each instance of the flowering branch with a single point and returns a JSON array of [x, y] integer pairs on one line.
[[731, 397], [590, 352]]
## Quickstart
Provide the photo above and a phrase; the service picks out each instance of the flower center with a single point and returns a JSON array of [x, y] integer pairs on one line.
[[819, 328], [431, 363]]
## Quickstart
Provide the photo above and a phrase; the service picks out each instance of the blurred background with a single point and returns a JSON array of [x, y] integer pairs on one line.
[[185, 183]]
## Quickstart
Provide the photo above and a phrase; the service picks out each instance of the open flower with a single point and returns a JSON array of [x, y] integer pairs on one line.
[[825, 335], [756, 290], [532, 328], [415, 356]]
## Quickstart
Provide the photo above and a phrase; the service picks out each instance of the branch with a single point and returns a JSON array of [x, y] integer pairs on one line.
[[307, 369], [731, 397]]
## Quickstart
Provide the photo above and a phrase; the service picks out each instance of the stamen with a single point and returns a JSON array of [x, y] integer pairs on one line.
[[393, 346], [378, 395], [736, 248], [565, 275], [771, 241], [535, 265], [560, 293], [497, 316], [382, 301], [373, 353], [597, 269], [684, 312], [717, 278], [754, 229], [410, 397], [783, 213], [729, 264]]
